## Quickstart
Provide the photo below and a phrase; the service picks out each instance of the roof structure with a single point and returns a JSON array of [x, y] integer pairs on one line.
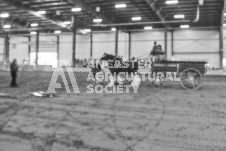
[[58, 14]]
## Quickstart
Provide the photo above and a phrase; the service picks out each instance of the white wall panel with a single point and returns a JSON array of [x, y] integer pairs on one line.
[[224, 43], [103, 42], [1, 49], [123, 45], [143, 42], [65, 47], [18, 49], [83, 46], [204, 44], [196, 45], [47, 44], [213, 59]]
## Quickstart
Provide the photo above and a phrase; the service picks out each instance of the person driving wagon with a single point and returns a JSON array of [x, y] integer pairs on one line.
[[157, 52]]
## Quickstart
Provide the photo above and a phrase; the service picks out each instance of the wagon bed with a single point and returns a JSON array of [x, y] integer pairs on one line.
[[191, 73]]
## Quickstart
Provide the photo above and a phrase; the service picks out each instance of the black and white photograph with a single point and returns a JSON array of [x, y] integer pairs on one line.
[[112, 75]]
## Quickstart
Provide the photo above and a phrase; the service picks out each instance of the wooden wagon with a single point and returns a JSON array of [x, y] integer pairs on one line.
[[191, 73]]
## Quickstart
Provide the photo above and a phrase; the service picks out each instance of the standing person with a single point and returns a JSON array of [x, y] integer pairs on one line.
[[154, 49], [14, 69]]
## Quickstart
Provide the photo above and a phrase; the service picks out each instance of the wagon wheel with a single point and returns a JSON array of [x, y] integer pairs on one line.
[[191, 79], [158, 82]]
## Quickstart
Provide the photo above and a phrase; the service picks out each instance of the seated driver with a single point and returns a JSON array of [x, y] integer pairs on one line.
[[157, 52]]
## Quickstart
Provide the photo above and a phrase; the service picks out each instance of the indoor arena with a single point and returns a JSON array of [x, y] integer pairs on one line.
[[112, 75]]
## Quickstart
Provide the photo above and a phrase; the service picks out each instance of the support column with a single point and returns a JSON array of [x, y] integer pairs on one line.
[[116, 42], [74, 47], [29, 50], [221, 50], [6, 49], [130, 39], [37, 48], [58, 49], [166, 42], [91, 46]]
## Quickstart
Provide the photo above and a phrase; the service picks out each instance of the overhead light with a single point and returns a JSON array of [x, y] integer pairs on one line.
[[224, 25], [179, 16], [201, 2], [67, 22], [42, 12], [57, 12], [34, 24], [87, 30], [171, 2], [224, 14], [113, 29], [120, 5], [136, 18], [97, 20], [76, 9], [98, 9], [184, 26], [4, 15], [33, 33], [148, 27], [57, 31], [7, 26]]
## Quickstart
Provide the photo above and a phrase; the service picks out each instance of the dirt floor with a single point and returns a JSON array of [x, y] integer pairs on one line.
[[169, 119]]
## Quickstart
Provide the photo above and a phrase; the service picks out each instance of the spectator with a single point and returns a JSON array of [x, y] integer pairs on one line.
[[14, 69]]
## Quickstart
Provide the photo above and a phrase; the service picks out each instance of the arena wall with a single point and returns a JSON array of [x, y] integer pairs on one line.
[[187, 45], [143, 42], [1, 50], [224, 51], [18, 48], [102, 42], [197, 45]]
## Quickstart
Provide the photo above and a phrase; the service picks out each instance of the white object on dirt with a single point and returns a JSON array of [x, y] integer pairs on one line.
[[37, 94], [42, 94]]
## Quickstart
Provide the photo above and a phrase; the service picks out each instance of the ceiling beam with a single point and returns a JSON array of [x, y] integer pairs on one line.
[[27, 8], [85, 6], [141, 10], [151, 3], [17, 23], [13, 21], [222, 14]]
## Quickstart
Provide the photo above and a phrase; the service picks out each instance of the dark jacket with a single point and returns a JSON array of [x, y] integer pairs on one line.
[[14, 67], [157, 50]]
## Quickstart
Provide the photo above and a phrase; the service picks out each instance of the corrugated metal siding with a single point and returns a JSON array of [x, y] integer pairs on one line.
[[197, 45]]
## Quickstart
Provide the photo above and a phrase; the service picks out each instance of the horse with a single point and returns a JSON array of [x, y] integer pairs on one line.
[[95, 66], [116, 65]]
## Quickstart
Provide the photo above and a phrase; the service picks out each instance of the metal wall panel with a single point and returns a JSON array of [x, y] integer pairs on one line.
[[103, 42], [143, 42], [65, 50], [197, 45], [1, 49], [18, 49], [83, 46], [224, 43]]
